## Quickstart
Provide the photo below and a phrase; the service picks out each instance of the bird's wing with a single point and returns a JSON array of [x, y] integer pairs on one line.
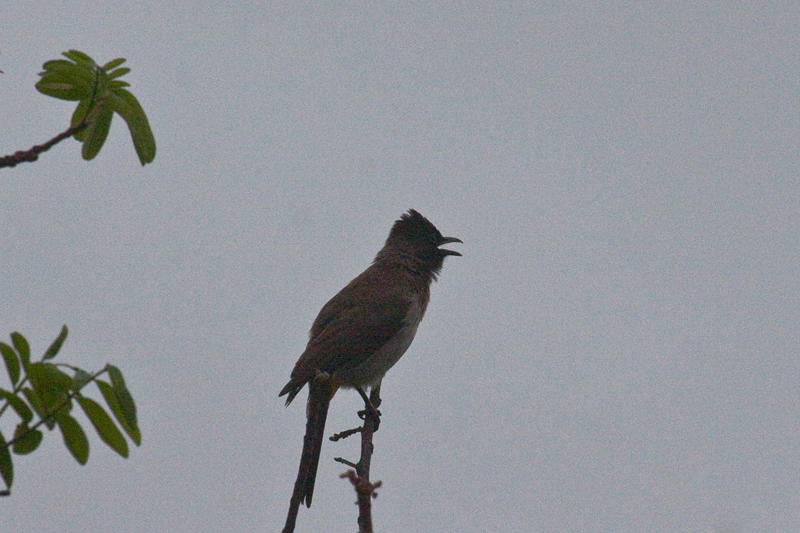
[[348, 331]]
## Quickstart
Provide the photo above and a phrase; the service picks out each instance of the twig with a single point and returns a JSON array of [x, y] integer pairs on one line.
[[27, 156], [360, 477], [365, 490], [344, 434]]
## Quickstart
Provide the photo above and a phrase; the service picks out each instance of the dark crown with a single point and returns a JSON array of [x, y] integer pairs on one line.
[[413, 228]]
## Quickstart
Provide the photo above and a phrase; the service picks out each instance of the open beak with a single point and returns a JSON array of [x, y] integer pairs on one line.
[[448, 240]]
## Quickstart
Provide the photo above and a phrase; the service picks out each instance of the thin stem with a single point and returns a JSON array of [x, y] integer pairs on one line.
[[27, 156]]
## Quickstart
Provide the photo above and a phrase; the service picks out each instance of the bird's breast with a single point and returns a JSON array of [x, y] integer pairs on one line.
[[372, 370]]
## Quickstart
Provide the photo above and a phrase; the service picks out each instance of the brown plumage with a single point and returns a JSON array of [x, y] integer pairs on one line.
[[363, 330]]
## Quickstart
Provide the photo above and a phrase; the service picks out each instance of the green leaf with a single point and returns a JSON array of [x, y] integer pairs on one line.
[[80, 79], [123, 395], [113, 63], [68, 69], [131, 111], [26, 440], [60, 65], [64, 87], [74, 437], [111, 399], [77, 117], [104, 425], [18, 404], [67, 80], [12, 363], [97, 131], [56, 346], [119, 72], [52, 386], [6, 466], [33, 399], [80, 379], [79, 57], [101, 84], [22, 348]]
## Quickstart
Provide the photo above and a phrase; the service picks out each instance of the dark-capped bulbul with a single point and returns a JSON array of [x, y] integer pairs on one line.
[[363, 330]]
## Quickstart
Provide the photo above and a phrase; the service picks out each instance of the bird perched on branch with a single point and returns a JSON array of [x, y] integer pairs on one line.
[[363, 330]]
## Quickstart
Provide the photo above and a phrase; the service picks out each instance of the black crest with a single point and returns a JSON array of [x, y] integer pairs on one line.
[[415, 229]]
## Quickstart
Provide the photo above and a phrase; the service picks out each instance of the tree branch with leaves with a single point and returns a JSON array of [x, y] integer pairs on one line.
[[99, 94], [42, 394]]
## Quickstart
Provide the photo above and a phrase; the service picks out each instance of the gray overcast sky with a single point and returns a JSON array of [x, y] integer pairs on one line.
[[617, 351]]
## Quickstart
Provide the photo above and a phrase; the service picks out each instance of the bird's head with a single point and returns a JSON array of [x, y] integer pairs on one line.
[[415, 235]]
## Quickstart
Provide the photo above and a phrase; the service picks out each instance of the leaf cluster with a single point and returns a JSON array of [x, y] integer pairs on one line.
[[42, 394], [99, 94]]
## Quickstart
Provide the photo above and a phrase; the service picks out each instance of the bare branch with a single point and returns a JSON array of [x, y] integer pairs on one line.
[[27, 156]]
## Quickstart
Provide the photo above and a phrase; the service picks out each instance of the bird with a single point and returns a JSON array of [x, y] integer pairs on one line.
[[364, 330]]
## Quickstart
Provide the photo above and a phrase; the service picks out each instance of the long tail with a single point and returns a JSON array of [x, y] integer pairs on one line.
[[319, 398]]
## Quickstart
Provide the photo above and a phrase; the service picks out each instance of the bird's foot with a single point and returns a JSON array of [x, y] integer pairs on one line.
[[369, 409]]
